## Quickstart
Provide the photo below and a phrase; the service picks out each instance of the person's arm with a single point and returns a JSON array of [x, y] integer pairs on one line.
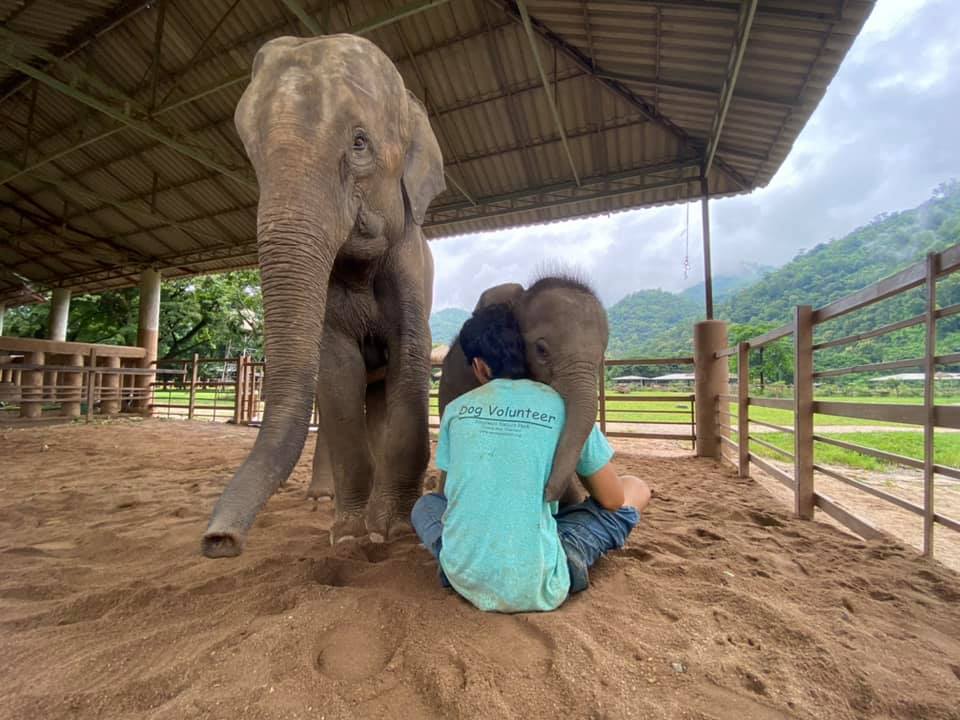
[[597, 473], [605, 487]]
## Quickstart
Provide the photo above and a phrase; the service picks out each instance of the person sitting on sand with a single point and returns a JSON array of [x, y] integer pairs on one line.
[[499, 543]]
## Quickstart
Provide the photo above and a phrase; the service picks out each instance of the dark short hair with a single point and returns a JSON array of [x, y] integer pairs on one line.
[[493, 335]]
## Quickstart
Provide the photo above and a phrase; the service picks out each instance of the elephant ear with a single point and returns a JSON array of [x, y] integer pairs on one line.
[[423, 165], [507, 293]]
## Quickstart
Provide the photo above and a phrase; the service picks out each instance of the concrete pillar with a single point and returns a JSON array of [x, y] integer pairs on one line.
[[73, 388], [31, 390], [709, 337], [59, 314], [149, 330], [57, 330], [110, 393]]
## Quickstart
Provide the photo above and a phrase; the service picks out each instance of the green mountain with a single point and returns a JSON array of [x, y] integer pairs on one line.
[[726, 285], [825, 273], [446, 323]]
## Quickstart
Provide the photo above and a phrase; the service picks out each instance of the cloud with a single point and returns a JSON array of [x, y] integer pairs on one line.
[[883, 137]]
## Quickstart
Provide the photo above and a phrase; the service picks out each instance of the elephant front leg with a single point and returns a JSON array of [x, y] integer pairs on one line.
[[321, 482], [404, 448], [343, 382]]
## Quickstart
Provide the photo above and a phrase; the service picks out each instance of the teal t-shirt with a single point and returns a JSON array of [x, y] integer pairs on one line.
[[501, 549]]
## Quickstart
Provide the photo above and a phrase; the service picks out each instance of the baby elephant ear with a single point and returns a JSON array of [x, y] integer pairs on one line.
[[507, 293], [423, 165]]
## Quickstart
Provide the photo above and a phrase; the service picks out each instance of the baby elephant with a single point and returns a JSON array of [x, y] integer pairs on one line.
[[565, 330]]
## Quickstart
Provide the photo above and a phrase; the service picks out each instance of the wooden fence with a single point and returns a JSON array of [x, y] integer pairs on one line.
[[39, 378], [804, 406], [213, 389]]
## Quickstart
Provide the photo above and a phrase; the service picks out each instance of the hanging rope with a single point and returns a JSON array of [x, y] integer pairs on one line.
[[686, 250]]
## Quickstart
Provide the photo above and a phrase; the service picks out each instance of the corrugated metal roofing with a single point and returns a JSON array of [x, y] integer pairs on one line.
[[86, 202]]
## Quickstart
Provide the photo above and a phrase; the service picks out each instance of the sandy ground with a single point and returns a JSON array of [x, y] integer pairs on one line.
[[721, 606]]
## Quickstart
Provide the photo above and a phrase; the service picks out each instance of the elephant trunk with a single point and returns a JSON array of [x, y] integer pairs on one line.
[[578, 387], [299, 231]]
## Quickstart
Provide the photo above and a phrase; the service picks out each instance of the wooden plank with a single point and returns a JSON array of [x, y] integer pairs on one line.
[[944, 416], [743, 408], [948, 311], [59, 347], [650, 398], [846, 518], [728, 397], [951, 359], [883, 330], [649, 361], [906, 279], [237, 387], [786, 453], [929, 409], [948, 471], [772, 471], [871, 367], [879, 454], [947, 522], [724, 440], [885, 412], [728, 428], [780, 428], [803, 411], [869, 489], [650, 436], [778, 403], [770, 336], [728, 352]]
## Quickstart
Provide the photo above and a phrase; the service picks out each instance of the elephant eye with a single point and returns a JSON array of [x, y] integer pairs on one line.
[[359, 141], [542, 350]]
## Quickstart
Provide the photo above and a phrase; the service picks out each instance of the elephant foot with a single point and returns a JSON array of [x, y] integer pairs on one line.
[[221, 544], [347, 526], [387, 520], [320, 488]]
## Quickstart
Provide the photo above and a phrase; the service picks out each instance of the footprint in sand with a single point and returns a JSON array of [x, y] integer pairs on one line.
[[352, 652]]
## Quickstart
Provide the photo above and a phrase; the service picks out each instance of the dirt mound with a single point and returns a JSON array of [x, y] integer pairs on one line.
[[721, 606]]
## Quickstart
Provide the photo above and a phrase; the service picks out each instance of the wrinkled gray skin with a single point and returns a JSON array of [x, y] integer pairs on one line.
[[347, 164], [565, 331]]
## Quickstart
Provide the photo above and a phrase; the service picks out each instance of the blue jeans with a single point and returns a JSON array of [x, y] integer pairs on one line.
[[586, 531]]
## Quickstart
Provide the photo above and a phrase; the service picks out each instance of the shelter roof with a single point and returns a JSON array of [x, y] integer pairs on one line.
[[118, 150]]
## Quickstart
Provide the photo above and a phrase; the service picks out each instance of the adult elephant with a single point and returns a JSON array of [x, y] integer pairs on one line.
[[565, 330], [347, 164]]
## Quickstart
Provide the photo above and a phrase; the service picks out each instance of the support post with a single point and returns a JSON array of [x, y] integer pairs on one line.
[[707, 272], [57, 330], [603, 396], [148, 333], [31, 390], [238, 392], [193, 386], [3, 310], [803, 412], [743, 407], [59, 314], [91, 383], [711, 376], [110, 397], [73, 388], [929, 370]]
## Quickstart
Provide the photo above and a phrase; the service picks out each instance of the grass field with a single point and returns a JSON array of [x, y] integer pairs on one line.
[[946, 448]]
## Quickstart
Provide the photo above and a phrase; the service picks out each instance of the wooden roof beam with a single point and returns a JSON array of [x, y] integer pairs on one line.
[[127, 114], [551, 100], [745, 21]]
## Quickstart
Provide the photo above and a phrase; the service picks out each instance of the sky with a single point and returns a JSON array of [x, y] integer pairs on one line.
[[885, 135]]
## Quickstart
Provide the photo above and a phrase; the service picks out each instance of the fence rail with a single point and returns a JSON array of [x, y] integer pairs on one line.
[[926, 415]]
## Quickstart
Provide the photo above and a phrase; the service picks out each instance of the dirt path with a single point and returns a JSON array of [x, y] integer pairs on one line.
[[720, 607]]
